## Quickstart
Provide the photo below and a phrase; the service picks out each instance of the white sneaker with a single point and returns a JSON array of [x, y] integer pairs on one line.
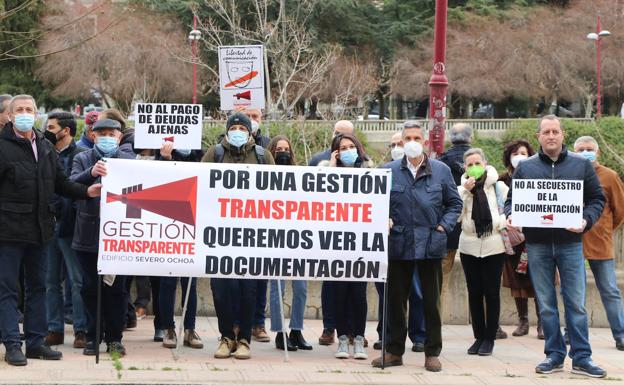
[[358, 348], [343, 347]]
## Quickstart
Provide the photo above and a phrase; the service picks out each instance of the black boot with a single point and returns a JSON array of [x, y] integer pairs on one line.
[[279, 343], [296, 339]]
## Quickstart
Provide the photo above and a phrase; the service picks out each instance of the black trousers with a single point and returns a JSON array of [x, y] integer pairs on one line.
[[114, 300], [155, 286], [224, 296], [350, 308], [483, 278], [399, 283]]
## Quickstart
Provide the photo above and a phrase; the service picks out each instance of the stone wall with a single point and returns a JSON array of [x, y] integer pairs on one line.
[[455, 302]]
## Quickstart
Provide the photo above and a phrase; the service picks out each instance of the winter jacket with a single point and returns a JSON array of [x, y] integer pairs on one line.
[[568, 166], [27, 187], [493, 244], [598, 242], [262, 140], [454, 158], [66, 207], [245, 154], [417, 206], [318, 157], [85, 142], [87, 230]]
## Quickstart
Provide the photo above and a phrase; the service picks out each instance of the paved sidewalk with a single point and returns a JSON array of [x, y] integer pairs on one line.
[[147, 362]]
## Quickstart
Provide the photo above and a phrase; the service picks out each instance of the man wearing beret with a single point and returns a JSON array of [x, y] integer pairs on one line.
[[88, 168]]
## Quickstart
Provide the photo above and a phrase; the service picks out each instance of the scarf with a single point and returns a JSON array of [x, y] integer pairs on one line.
[[481, 209]]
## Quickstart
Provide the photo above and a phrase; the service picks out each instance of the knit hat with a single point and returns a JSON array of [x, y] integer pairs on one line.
[[239, 118], [91, 118]]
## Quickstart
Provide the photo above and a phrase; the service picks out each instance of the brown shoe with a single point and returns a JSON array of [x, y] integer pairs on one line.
[[80, 340], [501, 334], [131, 324], [327, 338], [390, 360], [433, 364], [259, 334], [54, 338]]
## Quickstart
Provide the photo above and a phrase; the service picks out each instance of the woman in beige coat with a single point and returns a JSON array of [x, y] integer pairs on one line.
[[481, 247]]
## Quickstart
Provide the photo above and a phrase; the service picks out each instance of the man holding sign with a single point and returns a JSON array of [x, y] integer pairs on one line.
[[554, 173]]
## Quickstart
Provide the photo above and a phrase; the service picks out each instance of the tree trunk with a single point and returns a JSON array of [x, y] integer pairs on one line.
[[499, 110], [382, 104], [589, 105], [400, 108]]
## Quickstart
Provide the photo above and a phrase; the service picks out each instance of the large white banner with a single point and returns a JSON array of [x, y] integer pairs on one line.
[[241, 76], [244, 221], [547, 203], [159, 123]]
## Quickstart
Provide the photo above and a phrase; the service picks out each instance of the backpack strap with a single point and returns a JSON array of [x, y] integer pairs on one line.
[[219, 153], [260, 154]]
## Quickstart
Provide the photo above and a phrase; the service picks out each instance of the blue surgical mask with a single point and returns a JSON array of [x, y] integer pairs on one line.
[[107, 145], [348, 157], [237, 138], [24, 122], [589, 155], [183, 152]]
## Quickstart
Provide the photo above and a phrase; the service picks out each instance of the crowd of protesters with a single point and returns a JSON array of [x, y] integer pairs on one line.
[[440, 210]]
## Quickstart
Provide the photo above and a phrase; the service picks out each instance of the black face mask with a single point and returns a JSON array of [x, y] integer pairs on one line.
[[283, 158], [49, 135]]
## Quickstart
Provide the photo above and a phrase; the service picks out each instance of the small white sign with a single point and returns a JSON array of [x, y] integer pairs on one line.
[[159, 123], [547, 203], [241, 77]]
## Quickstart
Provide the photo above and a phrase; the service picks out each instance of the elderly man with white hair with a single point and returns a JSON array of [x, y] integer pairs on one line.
[[598, 242]]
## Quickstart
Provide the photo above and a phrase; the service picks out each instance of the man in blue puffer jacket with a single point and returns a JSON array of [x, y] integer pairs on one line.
[[561, 249], [424, 207]]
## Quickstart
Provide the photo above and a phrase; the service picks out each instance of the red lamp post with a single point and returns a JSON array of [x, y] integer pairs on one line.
[[597, 37], [438, 84], [194, 37]]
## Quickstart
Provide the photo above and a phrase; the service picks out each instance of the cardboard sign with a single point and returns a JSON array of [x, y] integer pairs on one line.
[[244, 221], [159, 123], [241, 77], [547, 203]]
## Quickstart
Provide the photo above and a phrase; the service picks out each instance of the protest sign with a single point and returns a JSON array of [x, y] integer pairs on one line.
[[241, 77], [547, 203], [158, 123], [244, 221]]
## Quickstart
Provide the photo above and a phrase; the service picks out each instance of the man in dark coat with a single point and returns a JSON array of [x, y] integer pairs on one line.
[[30, 174]]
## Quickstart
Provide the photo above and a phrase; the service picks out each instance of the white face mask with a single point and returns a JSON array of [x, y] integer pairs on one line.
[[145, 157], [515, 160], [254, 127], [413, 149], [397, 153]]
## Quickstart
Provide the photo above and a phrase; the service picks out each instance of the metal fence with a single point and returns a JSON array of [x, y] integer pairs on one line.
[[482, 125]]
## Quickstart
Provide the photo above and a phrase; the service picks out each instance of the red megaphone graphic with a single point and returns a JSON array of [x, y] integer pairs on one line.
[[168, 139], [176, 200], [243, 95], [548, 217]]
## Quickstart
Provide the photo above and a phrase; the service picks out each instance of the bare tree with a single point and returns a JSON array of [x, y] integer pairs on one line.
[[134, 58]]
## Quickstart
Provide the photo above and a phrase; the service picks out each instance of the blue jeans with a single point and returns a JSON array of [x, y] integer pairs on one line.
[[59, 252], [297, 309], [166, 301], [568, 259], [604, 274], [416, 315], [35, 325]]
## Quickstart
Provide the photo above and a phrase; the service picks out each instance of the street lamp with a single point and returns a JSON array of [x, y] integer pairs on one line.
[[597, 37], [438, 83], [194, 37]]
